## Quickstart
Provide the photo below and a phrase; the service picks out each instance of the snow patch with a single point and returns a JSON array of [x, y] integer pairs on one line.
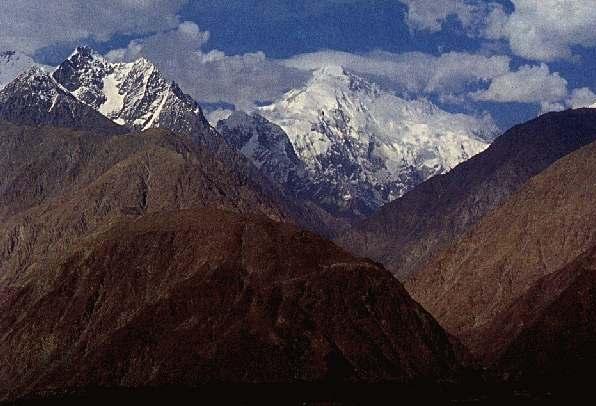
[[114, 99]]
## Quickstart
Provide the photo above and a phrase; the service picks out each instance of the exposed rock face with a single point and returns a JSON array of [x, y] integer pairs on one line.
[[537, 231], [363, 147], [199, 296], [135, 94], [34, 98], [403, 235]]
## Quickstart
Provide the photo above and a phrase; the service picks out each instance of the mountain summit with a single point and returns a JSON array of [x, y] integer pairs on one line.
[[135, 94], [35, 98], [364, 147]]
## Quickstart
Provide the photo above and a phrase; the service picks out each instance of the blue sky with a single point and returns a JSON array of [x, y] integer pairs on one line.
[[510, 59]]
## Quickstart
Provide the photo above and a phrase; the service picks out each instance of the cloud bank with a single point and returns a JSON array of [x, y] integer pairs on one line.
[[30, 25]]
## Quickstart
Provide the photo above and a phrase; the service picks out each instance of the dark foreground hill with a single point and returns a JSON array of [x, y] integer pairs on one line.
[[557, 326], [405, 234], [203, 296]]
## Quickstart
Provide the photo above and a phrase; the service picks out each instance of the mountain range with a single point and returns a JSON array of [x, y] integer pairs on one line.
[[358, 146], [143, 248]]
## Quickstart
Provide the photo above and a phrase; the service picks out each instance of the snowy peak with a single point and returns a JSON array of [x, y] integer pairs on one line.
[[335, 78], [12, 64], [330, 70], [35, 98], [363, 146], [82, 74], [135, 94]]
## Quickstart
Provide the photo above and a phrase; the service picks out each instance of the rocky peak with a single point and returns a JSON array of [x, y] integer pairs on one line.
[[35, 98], [134, 94], [267, 146]]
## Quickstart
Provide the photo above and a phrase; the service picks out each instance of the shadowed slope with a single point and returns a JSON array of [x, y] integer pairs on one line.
[[559, 340], [201, 296], [57, 186]]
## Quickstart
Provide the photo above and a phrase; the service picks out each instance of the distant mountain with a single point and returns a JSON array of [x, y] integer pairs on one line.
[[546, 225], [359, 147], [205, 296], [35, 98], [363, 147], [404, 234], [135, 95], [12, 64]]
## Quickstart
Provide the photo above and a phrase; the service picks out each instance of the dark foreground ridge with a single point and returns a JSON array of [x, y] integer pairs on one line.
[[206, 296]]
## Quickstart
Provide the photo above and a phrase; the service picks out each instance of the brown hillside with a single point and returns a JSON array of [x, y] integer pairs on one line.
[[58, 186], [539, 230], [559, 341], [199, 296]]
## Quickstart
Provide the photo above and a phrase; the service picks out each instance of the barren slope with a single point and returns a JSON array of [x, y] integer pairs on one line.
[[199, 296], [540, 229]]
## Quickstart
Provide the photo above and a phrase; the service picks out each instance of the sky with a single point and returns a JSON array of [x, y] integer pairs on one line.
[[510, 59]]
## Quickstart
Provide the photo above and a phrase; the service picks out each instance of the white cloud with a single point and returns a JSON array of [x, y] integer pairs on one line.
[[430, 15], [529, 84], [583, 97], [30, 25], [414, 72], [456, 78], [578, 98], [213, 76], [545, 30]]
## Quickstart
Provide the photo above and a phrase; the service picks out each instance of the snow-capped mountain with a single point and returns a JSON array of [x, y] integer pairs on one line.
[[135, 94], [35, 98], [363, 147], [12, 64]]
